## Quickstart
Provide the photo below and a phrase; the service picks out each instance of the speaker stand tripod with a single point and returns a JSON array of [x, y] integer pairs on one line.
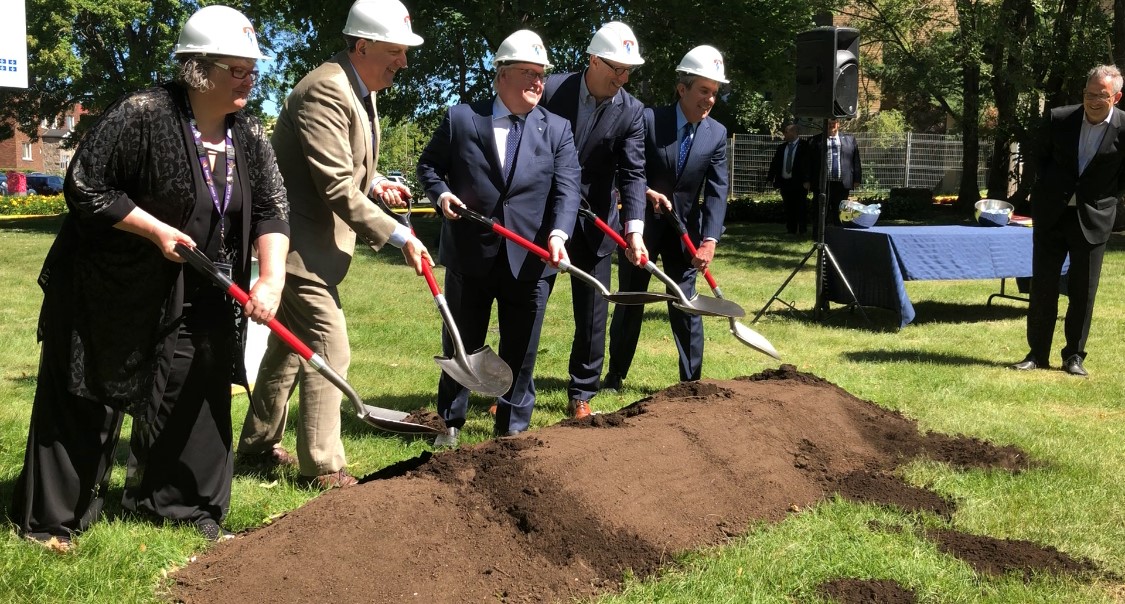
[[823, 255]]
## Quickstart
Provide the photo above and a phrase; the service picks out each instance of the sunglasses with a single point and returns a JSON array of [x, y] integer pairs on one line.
[[238, 73]]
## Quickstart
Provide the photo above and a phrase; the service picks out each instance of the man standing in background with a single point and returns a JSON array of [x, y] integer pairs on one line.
[[844, 171], [787, 174]]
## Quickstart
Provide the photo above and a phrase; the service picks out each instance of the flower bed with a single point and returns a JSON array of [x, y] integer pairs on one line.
[[31, 205]]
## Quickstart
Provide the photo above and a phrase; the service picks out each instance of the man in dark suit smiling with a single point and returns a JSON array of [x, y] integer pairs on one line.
[[511, 160], [1074, 200]]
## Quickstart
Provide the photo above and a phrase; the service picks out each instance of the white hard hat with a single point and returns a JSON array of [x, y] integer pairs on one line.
[[704, 61], [381, 21], [523, 46], [616, 42], [218, 30]]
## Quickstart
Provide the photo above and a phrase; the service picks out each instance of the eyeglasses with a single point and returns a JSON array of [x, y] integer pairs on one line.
[[239, 73], [530, 74], [619, 71], [1090, 96]]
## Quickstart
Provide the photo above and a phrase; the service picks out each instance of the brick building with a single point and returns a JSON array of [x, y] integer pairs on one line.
[[47, 154]]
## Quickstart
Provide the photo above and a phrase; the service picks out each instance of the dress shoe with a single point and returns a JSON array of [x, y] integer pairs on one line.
[[578, 408], [1073, 366], [497, 433], [276, 457], [612, 381], [1027, 364], [339, 479], [448, 438]]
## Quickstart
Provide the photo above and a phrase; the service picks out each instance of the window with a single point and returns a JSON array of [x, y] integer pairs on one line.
[[27, 152], [64, 161]]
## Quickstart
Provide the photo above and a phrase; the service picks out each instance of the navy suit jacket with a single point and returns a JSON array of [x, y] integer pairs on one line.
[[851, 168], [705, 171], [614, 148], [1097, 188], [800, 165], [541, 197]]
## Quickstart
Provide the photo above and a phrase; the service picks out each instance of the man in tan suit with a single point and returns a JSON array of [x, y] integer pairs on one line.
[[327, 144]]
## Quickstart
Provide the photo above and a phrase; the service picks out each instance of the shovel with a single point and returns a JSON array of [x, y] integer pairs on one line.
[[699, 305], [482, 371], [564, 266], [743, 333], [385, 419]]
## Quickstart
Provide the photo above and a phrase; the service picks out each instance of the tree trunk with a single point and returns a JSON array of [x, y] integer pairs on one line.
[[969, 192]]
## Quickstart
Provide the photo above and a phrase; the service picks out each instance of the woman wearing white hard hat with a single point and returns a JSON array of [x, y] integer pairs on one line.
[[126, 327], [685, 160]]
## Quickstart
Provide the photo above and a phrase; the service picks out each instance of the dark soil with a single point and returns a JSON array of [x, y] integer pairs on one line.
[[872, 591], [426, 417], [566, 511]]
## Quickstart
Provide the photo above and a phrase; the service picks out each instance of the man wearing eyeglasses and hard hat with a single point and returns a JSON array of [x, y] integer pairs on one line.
[[327, 145], [609, 137], [686, 173], [512, 161]]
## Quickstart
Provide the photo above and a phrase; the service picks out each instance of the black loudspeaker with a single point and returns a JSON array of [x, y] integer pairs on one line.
[[827, 73]]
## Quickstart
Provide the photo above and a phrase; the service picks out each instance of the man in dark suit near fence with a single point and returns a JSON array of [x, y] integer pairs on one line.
[[844, 171], [1073, 206], [787, 174]]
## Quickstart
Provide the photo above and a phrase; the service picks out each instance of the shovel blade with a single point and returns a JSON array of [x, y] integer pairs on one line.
[[713, 307], [639, 297], [753, 339], [482, 371], [391, 420]]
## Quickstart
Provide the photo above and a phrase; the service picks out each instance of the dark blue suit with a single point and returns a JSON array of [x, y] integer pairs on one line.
[[611, 153], [481, 267], [704, 174]]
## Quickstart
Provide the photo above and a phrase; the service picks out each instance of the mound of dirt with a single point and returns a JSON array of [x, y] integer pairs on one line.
[[567, 510]]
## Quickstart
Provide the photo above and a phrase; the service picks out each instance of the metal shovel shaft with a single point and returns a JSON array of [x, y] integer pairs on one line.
[[387, 419], [698, 306], [564, 266], [740, 331]]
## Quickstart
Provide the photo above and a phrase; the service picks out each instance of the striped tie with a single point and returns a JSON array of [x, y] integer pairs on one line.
[[685, 146], [511, 146]]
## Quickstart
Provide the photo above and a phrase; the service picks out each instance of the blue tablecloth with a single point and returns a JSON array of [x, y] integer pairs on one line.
[[877, 261]]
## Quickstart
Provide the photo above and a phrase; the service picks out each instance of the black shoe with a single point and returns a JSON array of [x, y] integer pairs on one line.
[[1073, 366], [1027, 364], [448, 438], [612, 381], [498, 433], [212, 531]]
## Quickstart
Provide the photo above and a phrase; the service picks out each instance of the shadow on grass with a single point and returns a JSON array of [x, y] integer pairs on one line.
[[923, 356], [880, 320], [31, 224]]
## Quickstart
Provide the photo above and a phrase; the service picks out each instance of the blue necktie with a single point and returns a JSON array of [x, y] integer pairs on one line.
[[835, 174], [685, 146], [512, 145]]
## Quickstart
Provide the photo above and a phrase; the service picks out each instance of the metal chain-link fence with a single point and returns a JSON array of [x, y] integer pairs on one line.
[[931, 161]]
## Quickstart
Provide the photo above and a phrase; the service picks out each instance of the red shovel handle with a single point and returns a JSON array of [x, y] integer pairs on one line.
[[691, 246], [201, 263], [605, 228], [500, 230]]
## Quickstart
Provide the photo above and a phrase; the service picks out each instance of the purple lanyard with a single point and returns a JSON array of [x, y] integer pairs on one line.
[[206, 167]]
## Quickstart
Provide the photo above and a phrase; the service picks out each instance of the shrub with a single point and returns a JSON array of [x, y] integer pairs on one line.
[[31, 205], [762, 207]]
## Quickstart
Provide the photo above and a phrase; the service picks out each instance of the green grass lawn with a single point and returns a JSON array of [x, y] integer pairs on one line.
[[947, 370]]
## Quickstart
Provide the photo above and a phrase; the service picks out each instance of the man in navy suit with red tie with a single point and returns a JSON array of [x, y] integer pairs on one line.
[[510, 160], [685, 159], [609, 136]]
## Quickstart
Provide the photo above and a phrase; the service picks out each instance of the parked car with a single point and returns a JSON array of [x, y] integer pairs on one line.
[[44, 184]]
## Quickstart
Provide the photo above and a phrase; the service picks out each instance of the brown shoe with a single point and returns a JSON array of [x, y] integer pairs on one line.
[[492, 410], [276, 457], [335, 480], [578, 409]]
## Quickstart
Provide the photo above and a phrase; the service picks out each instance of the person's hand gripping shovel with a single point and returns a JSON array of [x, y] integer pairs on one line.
[[699, 305], [743, 333], [564, 266], [385, 419], [482, 370]]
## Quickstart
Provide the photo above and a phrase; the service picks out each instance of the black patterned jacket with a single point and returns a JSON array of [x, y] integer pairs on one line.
[[113, 291]]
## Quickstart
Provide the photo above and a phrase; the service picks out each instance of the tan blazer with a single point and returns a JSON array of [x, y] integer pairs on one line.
[[324, 150]]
